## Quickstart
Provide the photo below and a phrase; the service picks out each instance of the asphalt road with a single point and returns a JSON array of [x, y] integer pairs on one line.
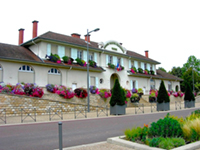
[[44, 136]]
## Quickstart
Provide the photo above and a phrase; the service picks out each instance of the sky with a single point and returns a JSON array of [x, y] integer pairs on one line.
[[169, 29]]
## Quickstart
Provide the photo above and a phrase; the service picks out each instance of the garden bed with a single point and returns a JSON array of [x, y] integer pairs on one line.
[[122, 142]]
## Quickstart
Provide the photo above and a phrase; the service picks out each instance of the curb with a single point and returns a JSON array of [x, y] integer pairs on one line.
[[121, 142]]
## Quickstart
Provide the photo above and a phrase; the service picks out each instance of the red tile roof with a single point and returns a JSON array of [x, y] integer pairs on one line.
[[17, 52]]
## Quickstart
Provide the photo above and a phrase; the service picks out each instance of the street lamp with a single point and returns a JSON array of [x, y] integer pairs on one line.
[[88, 91]]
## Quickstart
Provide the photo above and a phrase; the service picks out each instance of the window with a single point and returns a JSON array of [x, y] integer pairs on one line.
[[152, 84], [118, 60], [133, 84], [169, 86], [54, 71], [26, 68], [110, 59], [61, 51], [92, 81], [79, 54], [145, 66], [91, 56]]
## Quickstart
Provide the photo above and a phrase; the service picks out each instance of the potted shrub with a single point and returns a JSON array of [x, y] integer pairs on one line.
[[117, 101], [135, 98], [140, 92], [189, 99], [163, 98]]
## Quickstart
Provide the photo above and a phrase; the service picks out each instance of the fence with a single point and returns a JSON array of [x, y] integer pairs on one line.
[[57, 112]]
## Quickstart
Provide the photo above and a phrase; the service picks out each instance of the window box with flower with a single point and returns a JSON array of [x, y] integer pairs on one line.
[[65, 92], [135, 98], [133, 70], [53, 58], [140, 70], [146, 71], [51, 88], [80, 62], [92, 63], [140, 92], [134, 90], [67, 59], [94, 90], [104, 94], [118, 67], [80, 93], [152, 72]]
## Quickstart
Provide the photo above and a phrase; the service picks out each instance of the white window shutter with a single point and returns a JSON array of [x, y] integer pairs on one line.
[[136, 64], [95, 57], [129, 63], [122, 62], [136, 84], [97, 82], [61, 51], [115, 60], [106, 59], [74, 53], [131, 84], [48, 49], [154, 69], [85, 56], [142, 65], [148, 67]]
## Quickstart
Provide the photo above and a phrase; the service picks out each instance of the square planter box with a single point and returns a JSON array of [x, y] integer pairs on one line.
[[118, 110], [189, 104], [163, 106]]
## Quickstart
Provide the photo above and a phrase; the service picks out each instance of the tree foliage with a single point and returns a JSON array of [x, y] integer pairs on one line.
[[162, 69], [192, 62], [117, 95], [176, 71], [162, 94]]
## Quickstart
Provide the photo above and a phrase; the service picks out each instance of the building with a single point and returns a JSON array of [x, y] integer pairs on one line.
[[26, 62]]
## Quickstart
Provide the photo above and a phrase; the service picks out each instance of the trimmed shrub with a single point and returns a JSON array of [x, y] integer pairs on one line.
[[162, 94], [188, 93], [118, 96]]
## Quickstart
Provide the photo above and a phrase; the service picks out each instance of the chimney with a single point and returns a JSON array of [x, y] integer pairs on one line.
[[147, 54], [76, 35], [21, 36], [35, 23], [88, 38]]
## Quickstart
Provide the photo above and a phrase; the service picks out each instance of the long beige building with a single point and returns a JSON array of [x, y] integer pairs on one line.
[[26, 63]]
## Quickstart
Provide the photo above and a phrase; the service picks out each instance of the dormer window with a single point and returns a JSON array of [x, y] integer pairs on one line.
[[91, 56]]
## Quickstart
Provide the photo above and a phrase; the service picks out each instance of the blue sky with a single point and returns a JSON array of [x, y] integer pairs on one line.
[[170, 29]]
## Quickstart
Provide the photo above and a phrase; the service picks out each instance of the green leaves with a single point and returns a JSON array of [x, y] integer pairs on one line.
[[162, 94]]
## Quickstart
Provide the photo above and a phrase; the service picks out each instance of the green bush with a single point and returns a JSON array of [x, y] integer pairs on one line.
[[197, 112], [162, 94], [117, 95], [169, 143], [167, 127], [133, 134], [154, 142]]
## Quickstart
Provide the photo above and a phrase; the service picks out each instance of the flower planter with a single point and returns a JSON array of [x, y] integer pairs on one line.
[[152, 99], [118, 110], [135, 100], [140, 94], [163, 106], [189, 104]]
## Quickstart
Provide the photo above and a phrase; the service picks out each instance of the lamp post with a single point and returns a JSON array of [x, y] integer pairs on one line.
[[88, 91]]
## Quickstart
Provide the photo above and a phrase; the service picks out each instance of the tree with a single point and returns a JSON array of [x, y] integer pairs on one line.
[[187, 76], [162, 94], [162, 69], [117, 95], [176, 71], [192, 62]]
